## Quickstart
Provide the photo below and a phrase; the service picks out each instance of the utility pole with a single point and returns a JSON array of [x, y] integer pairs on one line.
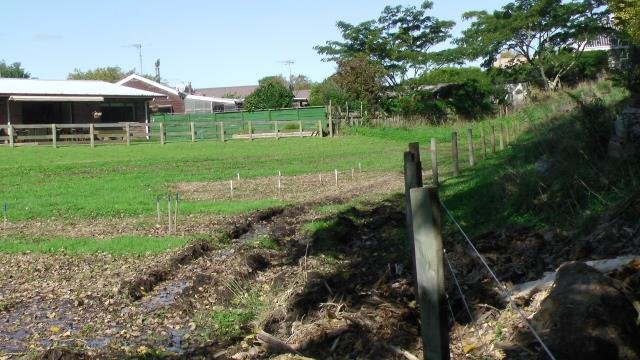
[[288, 63]]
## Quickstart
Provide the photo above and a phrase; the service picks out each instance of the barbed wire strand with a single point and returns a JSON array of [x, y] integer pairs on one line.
[[455, 280], [506, 291]]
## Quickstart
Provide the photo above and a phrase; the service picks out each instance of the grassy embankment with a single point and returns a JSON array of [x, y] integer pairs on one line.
[[118, 181]]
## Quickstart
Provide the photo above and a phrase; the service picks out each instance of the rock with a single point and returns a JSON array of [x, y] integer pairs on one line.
[[626, 138], [588, 315]]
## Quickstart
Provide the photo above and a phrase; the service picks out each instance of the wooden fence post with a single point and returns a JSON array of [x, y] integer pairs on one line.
[[508, 134], [470, 144], [412, 179], [484, 144], [222, 131], [275, 124], [454, 153], [192, 126], [250, 130], [493, 140], [320, 128], [330, 120], [501, 137], [54, 136], [11, 132], [162, 134], [127, 135], [427, 235], [434, 162], [92, 132], [300, 127]]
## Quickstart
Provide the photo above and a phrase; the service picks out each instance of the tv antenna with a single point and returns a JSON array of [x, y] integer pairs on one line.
[[288, 64], [139, 47]]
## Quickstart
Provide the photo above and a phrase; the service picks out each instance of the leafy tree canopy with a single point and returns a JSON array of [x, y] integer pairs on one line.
[[272, 93], [361, 79], [535, 30], [14, 70], [301, 82], [110, 74], [399, 40], [326, 91], [627, 16]]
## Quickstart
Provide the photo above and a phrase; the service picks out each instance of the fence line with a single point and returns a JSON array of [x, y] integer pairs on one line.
[[162, 132]]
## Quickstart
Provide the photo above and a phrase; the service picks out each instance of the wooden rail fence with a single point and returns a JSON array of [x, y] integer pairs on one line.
[[162, 132]]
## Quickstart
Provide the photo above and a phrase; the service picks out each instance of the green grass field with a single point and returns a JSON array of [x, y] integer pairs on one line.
[[78, 182]]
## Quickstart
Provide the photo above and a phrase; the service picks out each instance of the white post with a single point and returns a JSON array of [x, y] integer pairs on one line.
[[335, 172]]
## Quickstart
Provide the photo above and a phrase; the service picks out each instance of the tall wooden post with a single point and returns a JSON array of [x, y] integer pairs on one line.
[[162, 134], [221, 131], [275, 124], [192, 127], [320, 128], [127, 134], [454, 153], [412, 179], [501, 137], [484, 144], [347, 115], [250, 130], [300, 127], [54, 136], [434, 162], [92, 135], [470, 145], [493, 140], [427, 236]]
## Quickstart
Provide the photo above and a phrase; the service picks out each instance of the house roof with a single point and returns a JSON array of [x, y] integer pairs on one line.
[[148, 82], [212, 99], [301, 95], [70, 88], [241, 91]]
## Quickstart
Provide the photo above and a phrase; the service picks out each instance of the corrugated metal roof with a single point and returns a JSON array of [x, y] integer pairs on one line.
[[70, 87]]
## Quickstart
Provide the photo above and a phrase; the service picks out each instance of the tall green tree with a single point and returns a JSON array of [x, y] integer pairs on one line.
[[272, 93], [536, 30], [627, 16], [110, 74], [14, 70], [361, 79], [400, 40], [326, 91]]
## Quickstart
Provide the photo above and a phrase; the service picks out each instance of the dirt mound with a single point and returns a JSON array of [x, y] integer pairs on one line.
[[588, 315]]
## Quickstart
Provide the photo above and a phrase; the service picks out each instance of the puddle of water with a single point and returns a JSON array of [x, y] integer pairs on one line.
[[165, 296], [175, 341], [257, 230]]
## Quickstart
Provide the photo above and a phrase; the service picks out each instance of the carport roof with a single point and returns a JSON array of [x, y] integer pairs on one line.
[[10, 87]]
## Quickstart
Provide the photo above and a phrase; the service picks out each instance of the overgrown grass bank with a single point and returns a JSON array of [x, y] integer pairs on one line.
[[124, 245]]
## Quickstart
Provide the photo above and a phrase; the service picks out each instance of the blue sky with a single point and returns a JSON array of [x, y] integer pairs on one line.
[[210, 43]]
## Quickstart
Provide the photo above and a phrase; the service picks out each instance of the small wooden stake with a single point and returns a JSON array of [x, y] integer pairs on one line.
[[92, 136], [238, 175], [300, 125], [320, 178], [353, 174], [483, 142], [158, 209], [162, 134], [4, 212], [454, 153], [231, 187], [493, 140], [175, 217], [359, 167], [169, 211], [470, 144], [335, 172], [434, 162], [192, 125], [11, 134], [54, 136], [221, 131], [127, 134]]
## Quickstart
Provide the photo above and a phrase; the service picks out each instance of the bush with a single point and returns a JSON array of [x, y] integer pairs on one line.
[[270, 94]]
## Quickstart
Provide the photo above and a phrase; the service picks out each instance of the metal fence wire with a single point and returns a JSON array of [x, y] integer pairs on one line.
[[505, 291]]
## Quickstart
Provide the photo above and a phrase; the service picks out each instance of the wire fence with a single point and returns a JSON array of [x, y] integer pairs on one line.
[[506, 293]]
